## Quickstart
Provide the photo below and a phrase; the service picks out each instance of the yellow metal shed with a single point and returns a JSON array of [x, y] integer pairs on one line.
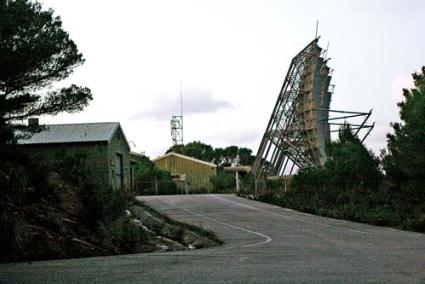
[[191, 174]]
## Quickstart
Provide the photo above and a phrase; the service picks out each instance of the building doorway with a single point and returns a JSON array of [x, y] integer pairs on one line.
[[132, 174], [119, 171]]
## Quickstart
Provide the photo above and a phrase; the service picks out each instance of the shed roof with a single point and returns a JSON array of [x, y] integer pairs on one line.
[[74, 133], [185, 157], [243, 169]]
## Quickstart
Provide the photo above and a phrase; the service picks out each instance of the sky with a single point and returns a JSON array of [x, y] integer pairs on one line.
[[231, 58]]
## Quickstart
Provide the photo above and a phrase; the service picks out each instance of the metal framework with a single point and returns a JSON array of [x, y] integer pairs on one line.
[[350, 115], [177, 129], [299, 126]]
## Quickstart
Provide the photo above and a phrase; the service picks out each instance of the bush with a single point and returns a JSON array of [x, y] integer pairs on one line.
[[349, 186], [151, 180], [45, 216], [125, 235], [223, 182], [72, 168]]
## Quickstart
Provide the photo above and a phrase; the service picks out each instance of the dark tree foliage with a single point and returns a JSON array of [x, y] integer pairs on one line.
[[195, 149], [245, 156], [223, 182], [350, 167], [148, 177], [406, 147], [350, 164], [230, 153], [35, 52], [220, 156], [404, 163], [348, 186], [199, 150]]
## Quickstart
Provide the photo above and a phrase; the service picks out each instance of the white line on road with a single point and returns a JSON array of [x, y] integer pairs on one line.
[[287, 217], [267, 238]]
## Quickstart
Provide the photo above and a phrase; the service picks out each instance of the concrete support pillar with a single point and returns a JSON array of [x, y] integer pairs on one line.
[[238, 186]]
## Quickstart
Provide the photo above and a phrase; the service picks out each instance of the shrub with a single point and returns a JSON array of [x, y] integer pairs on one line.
[[223, 181], [125, 235], [151, 180], [349, 185]]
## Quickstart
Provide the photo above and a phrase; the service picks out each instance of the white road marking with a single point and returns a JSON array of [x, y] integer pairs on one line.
[[267, 238], [287, 217]]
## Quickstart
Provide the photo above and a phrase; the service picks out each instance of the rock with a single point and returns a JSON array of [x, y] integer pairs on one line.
[[173, 236], [162, 247]]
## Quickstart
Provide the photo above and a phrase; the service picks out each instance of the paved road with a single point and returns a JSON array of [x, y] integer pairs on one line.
[[263, 244]]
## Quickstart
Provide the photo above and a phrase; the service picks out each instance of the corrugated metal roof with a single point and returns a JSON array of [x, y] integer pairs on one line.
[[185, 157], [74, 133]]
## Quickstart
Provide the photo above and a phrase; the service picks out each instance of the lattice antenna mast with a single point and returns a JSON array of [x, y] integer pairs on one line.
[[177, 123]]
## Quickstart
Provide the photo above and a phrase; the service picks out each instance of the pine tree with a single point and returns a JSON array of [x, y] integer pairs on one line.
[[405, 161], [34, 53]]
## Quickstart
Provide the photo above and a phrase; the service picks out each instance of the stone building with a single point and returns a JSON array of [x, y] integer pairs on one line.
[[104, 146], [191, 174]]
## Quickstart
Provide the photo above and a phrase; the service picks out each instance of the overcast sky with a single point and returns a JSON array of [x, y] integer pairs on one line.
[[232, 57]]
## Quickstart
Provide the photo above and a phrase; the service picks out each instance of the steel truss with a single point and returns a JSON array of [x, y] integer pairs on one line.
[[176, 124], [351, 115], [299, 126]]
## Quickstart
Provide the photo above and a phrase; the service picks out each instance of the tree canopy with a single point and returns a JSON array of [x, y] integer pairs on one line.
[[347, 186], [195, 149], [350, 166], [35, 52], [405, 161], [350, 163], [404, 164], [148, 176], [220, 156]]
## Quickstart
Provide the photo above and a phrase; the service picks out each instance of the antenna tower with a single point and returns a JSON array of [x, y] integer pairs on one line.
[[177, 123]]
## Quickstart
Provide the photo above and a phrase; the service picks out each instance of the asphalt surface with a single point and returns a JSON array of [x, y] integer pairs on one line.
[[262, 244]]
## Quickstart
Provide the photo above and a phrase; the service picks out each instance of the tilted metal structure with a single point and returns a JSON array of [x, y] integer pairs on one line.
[[299, 126]]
